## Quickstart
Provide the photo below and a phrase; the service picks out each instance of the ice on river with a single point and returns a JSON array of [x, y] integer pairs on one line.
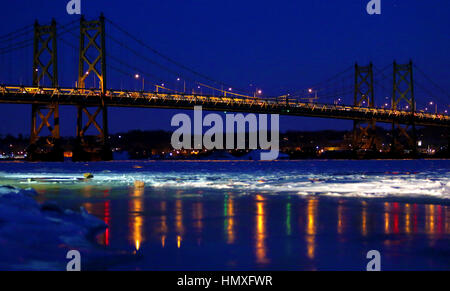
[[37, 236]]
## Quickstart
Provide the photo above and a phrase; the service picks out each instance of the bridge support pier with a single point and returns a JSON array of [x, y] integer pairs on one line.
[[92, 148], [45, 148]]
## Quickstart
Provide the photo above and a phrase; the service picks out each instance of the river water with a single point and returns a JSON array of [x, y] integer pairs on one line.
[[243, 215]]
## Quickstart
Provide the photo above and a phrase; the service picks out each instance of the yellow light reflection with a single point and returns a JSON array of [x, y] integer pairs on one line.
[[261, 248], [163, 229], [136, 222], [311, 227], [178, 241], [340, 224], [387, 218], [163, 241], [430, 223], [86, 191], [88, 206], [407, 218], [364, 219], [179, 227], [230, 221]]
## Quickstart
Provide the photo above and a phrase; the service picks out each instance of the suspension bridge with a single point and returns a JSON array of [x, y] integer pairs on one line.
[[349, 94]]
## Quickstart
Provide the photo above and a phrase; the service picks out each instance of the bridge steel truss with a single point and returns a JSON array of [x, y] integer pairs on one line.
[[121, 98], [92, 38], [403, 93], [364, 132], [45, 115]]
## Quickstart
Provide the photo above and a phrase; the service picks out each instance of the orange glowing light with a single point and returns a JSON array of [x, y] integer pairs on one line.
[[311, 227], [261, 251]]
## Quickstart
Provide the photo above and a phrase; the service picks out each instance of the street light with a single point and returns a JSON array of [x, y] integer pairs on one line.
[[137, 76], [184, 84], [435, 106], [311, 91]]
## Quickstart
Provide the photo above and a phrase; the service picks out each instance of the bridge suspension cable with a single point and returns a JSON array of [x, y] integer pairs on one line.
[[18, 32], [21, 44], [431, 81], [320, 86], [171, 60]]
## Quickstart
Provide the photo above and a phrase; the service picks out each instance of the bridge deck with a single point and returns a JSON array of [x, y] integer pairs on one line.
[[233, 103]]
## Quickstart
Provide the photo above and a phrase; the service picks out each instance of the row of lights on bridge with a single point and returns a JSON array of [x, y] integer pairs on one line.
[[259, 92], [137, 76]]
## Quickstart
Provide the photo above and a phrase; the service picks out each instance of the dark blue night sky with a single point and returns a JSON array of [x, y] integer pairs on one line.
[[278, 46]]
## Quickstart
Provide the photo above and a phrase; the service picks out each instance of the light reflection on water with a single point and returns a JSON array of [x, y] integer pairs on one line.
[[177, 221], [311, 227], [136, 217], [229, 221], [261, 233], [197, 228]]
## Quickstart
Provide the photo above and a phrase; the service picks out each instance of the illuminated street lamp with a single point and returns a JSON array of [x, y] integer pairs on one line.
[[313, 91], [137, 76], [37, 70], [435, 106], [184, 84]]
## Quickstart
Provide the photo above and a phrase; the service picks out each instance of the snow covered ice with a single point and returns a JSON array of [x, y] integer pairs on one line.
[[38, 237]]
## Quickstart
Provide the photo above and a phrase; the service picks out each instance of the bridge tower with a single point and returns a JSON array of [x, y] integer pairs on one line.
[[92, 41], [45, 115], [364, 132], [403, 99]]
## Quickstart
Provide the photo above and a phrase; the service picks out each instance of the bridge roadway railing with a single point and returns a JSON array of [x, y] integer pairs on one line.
[[237, 103]]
